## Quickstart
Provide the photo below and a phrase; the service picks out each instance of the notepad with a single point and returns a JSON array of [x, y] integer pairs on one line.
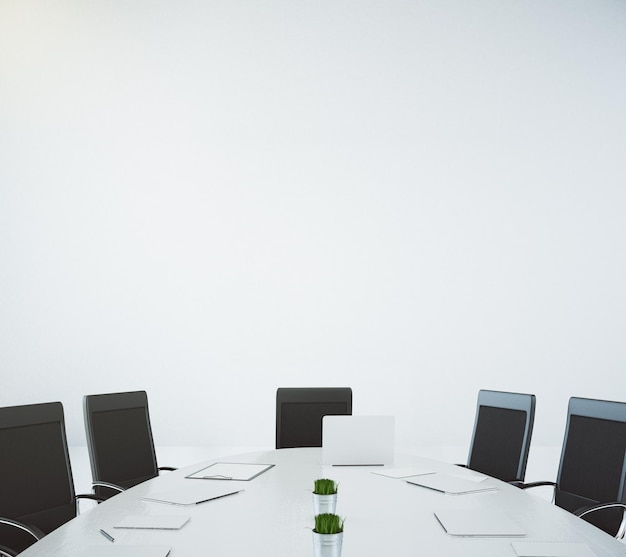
[[116, 550], [191, 494], [153, 522], [478, 523], [552, 549], [402, 472], [451, 485], [238, 471]]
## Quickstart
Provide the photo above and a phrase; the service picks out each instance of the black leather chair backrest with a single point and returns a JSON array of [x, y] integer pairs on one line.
[[299, 413], [36, 484], [119, 439], [593, 460], [502, 434]]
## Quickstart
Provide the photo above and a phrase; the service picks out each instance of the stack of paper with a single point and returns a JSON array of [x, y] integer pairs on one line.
[[452, 485]]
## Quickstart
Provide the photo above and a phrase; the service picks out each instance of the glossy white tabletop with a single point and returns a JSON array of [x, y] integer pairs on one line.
[[273, 516]]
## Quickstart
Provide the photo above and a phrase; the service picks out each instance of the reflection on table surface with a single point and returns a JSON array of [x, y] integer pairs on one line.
[[273, 514]]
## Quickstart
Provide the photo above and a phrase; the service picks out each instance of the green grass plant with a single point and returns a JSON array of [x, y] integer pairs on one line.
[[325, 487], [327, 523]]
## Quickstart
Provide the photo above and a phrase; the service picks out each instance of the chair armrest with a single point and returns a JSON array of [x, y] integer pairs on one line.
[[601, 506], [168, 468], [98, 483], [90, 496], [529, 485], [30, 529], [513, 482]]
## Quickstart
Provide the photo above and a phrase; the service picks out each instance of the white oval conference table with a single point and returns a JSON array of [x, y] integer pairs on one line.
[[273, 515]]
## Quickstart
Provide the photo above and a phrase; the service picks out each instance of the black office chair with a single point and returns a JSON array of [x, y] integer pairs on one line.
[[592, 470], [120, 443], [299, 413], [502, 432], [36, 485]]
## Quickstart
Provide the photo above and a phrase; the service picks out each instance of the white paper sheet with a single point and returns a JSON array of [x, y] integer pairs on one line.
[[402, 472], [478, 523], [153, 522], [192, 493], [115, 550]]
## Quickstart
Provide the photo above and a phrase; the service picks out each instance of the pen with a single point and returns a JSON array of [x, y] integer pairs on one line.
[[107, 535]]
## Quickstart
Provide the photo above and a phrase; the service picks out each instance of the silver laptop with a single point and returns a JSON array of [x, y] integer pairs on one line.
[[358, 440]]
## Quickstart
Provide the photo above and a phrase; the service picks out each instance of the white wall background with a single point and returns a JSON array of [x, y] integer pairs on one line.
[[210, 199]]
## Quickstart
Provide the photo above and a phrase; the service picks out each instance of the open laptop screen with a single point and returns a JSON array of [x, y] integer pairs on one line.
[[358, 440]]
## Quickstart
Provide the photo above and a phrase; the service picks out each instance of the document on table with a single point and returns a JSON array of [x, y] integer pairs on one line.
[[402, 472], [238, 471], [452, 485], [116, 550], [552, 549], [478, 523], [153, 522], [191, 494]]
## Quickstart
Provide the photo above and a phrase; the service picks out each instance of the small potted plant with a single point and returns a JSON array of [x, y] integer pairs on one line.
[[324, 496], [328, 535]]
